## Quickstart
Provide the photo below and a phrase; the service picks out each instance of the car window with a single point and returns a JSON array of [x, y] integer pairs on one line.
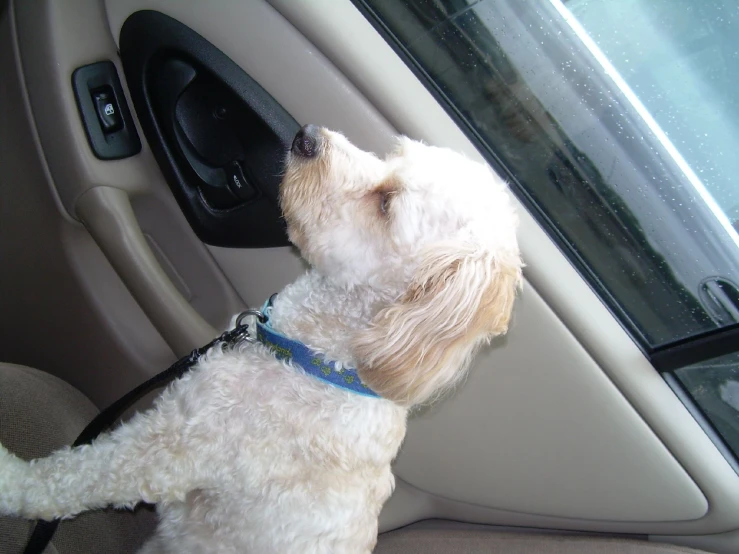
[[616, 123], [681, 59], [714, 386]]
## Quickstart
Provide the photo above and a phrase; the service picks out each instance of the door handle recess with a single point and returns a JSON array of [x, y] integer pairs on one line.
[[108, 216], [202, 133], [219, 138]]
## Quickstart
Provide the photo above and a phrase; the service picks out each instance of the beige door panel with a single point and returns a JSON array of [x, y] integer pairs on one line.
[[142, 286], [257, 274], [576, 454], [56, 289], [74, 34], [108, 216], [540, 429]]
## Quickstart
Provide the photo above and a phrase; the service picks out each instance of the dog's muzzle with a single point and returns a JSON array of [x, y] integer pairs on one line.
[[307, 142]]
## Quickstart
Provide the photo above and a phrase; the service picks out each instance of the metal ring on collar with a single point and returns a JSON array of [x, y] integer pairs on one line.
[[249, 313], [256, 313]]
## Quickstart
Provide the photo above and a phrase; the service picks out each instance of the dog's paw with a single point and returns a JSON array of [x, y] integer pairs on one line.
[[12, 471], [8, 461]]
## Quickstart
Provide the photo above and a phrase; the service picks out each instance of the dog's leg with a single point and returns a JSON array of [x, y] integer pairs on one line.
[[141, 460]]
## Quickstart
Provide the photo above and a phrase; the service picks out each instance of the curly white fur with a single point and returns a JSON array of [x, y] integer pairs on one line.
[[415, 263]]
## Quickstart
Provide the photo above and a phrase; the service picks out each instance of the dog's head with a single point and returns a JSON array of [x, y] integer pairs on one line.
[[426, 228]]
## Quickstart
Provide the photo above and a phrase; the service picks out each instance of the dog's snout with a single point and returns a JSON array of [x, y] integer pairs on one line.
[[307, 142]]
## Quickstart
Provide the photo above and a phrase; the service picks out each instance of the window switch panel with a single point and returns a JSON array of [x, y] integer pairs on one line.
[[105, 116], [107, 110]]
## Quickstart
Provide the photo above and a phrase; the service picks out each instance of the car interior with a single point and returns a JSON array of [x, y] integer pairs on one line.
[[141, 144]]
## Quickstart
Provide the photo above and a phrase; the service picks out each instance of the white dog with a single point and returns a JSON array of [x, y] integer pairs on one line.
[[414, 264]]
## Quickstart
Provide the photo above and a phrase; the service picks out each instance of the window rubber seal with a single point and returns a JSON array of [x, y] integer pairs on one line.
[[695, 349]]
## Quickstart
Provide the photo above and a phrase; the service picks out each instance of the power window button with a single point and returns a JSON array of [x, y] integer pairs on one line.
[[107, 110], [238, 183]]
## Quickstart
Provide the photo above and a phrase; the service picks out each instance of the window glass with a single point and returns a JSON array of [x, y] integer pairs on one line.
[[616, 122], [681, 59], [714, 386]]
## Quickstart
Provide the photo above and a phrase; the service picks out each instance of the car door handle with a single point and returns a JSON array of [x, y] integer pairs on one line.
[[218, 136], [169, 92], [721, 299]]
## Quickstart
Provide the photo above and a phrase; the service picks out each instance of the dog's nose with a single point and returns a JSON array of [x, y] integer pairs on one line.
[[307, 142]]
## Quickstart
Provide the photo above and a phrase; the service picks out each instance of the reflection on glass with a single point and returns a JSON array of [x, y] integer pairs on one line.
[[582, 154], [714, 385], [681, 58]]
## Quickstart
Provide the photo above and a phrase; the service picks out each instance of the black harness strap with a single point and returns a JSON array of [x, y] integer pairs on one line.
[[44, 531]]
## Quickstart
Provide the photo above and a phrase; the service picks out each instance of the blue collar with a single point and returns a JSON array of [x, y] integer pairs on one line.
[[311, 362]]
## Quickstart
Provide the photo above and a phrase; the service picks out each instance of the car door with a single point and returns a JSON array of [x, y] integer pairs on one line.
[[139, 155]]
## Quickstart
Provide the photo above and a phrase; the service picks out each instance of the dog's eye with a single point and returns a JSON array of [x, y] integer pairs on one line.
[[385, 198]]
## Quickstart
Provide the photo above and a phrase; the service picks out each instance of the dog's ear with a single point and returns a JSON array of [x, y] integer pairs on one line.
[[460, 296]]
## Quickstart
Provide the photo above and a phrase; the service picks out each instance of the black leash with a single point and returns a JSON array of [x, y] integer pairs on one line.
[[44, 531]]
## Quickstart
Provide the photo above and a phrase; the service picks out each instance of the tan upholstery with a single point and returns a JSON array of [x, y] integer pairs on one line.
[[38, 414], [448, 538]]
